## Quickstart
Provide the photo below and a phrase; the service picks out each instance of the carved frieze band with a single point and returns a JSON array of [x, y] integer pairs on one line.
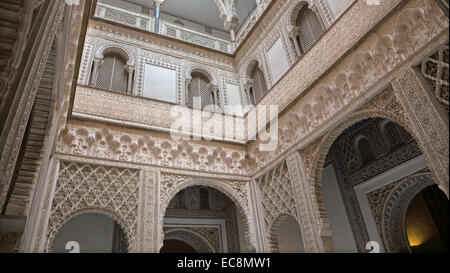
[[154, 149]]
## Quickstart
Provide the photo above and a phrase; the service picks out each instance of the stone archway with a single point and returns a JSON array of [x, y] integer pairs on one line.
[[124, 240], [395, 208], [235, 190], [200, 244], [384, 106], [83, 187], [315, 155], [203, 70], [278, 230], [123, 51]]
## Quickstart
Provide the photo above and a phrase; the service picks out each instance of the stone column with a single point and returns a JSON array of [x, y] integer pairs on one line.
[[35, 234], [248, 83], [293, 33], [130, 70], [148, 212], [261, 244], [96, 64], [157, 4], [316, 233], [427, 122], [215, 91], [232, 35], [186, 91]]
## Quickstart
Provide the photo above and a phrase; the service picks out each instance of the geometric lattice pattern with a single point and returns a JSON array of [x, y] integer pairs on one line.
[[349, 154], [310, 28], [200, 87], [435, 70], [109, 190], [277, 194], [112, 74], [119, 16]]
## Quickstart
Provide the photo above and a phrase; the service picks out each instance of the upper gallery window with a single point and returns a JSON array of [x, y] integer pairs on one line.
[[306, 30], [201, 87], [258, 87], [112, 74]]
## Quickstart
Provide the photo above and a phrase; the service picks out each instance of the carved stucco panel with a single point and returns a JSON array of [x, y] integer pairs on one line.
[[93, 140], [428, 125], [83, 188]]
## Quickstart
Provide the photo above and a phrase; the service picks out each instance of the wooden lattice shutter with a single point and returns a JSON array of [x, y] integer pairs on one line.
[[192, 91], [200, 87], [259, 84], [112, 74], [205, 91], [310, 29]]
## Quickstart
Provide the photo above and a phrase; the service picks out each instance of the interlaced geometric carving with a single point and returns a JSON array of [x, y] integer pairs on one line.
[[384, 137], [197, 39], [119, 16], [109, 190], [435, 70], [393, 135], [349, 154], [277, 193]]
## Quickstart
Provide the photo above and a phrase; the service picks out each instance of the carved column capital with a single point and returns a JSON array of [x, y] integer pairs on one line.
[[130, 68], [98, 60], [248, 83], [158, 3], [214, 88], [293, 31]]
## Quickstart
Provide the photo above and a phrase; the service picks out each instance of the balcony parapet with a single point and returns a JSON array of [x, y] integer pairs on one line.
[[146, 22], [146, 113]]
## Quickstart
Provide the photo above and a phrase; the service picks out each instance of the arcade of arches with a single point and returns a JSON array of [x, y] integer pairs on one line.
[[94, 157]]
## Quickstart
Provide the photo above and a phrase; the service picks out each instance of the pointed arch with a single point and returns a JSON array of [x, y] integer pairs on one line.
[[195, 240], [274, 231], [235, 196], [328, 140], [203, 70], [116, 49], [103, 211]]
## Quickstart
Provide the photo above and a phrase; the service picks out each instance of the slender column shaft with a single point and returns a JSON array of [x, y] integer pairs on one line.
[[94, 72], [130, 81], [297, 46], [157, 15]]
